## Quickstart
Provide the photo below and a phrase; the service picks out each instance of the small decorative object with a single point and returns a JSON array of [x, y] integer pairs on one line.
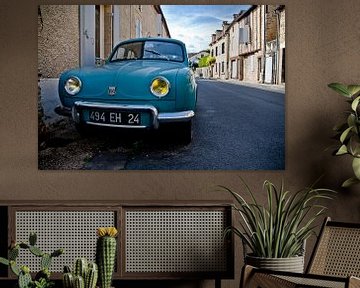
[[276, 233], [349, 132], [42, 278], [85, 275], [106, 254]]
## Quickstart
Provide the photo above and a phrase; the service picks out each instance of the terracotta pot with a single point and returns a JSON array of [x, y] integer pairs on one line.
[[291, 264]]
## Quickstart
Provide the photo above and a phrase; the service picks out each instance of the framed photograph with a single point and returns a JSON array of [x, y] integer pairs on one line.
[[161, 87]]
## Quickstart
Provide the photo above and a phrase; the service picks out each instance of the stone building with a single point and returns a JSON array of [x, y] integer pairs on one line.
[[275, 45], [254, 46], [250, 44], [75, 35], [219, 48], [281, 37]]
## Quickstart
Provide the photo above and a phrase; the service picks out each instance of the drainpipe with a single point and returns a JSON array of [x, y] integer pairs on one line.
[[227, 55], [277, 81], [263, 43]]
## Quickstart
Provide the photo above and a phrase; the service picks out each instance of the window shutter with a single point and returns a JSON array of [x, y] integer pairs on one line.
[[244, 34]]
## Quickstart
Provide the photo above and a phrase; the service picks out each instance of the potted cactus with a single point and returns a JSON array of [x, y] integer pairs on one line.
[[42, 278], [84, 275], [106, 254]]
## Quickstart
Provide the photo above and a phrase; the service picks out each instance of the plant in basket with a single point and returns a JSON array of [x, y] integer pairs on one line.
[[277, 230]]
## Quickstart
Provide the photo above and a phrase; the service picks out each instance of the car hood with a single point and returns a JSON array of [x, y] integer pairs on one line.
[[132, 79]]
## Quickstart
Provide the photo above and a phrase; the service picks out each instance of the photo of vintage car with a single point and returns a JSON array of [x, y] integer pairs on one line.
[[144, 83]]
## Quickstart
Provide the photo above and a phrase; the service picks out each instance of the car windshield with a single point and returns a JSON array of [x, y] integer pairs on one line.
[[154, 50]]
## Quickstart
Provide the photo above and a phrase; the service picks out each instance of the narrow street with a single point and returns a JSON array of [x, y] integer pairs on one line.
[[236, 127]]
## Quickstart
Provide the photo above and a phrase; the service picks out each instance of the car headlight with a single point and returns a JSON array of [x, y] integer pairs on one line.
[[73, 85], [160, 87]]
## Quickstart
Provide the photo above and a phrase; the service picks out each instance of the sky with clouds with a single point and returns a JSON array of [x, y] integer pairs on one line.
[[194, 24]]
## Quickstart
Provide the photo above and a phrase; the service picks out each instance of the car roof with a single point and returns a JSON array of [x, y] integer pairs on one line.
[[161, 39]]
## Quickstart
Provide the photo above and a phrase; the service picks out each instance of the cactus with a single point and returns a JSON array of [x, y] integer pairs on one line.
[[57, 252], [4, 261], [67, 269], [88, 273], [24, 280], [36, 251], [44, 273], [105, 254], [14, 268], [79, 282], [32, 239], [68, 280], [80, 267], [42, 278], [91, 276], [45, 261], [13, 253]]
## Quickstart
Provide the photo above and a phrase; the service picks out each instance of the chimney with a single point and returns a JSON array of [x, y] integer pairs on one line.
[[235, 15], [225, 25], [213, 38], [218, 34]]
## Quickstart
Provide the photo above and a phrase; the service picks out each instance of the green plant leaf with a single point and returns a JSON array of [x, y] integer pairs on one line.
[[354, 145], [340, 88], [14, 268], [353, 89], [345, 134], [351, 120], [279, 228], [349, 182], [342, 150], [4, 261], [356, 167], [355, 103]]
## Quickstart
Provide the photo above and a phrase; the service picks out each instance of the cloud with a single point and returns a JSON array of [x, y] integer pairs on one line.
[[194, 24], [199, 20]]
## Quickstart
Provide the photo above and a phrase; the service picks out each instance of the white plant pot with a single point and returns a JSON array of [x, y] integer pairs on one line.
[[291, 264]]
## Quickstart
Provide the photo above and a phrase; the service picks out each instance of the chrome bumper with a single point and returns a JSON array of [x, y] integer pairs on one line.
[[157, 118]]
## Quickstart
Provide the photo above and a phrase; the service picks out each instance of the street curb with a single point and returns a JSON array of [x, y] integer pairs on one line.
[[266, 87]]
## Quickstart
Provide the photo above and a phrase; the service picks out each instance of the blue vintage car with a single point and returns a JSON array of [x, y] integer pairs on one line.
[[144, 83]]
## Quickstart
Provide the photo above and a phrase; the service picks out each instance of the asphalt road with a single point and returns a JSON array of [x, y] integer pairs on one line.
[[235, 128]]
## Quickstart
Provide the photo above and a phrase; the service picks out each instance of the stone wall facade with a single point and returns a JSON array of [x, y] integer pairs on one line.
[[58, 39], [251, 39], [59, 32], [143, 19]]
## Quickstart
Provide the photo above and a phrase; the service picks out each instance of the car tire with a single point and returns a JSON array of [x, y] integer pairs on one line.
[[183, 132], [82, 129]]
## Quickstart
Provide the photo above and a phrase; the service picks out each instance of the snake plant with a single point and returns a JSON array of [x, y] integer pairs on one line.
[[279, 228]]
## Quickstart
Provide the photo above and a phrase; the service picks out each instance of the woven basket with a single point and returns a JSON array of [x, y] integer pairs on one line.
[[291, 264]]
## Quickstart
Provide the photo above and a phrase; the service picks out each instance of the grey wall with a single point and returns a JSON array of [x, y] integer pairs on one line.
[[322, 46], [60, 24]]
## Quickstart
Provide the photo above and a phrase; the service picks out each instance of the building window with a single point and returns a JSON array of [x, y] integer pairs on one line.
[[138, 28], [222, 48], [159, 25], [222, 67], [212, 52], [216, 51]]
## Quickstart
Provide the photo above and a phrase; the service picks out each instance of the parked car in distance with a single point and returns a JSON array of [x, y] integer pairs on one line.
[[144, 83]]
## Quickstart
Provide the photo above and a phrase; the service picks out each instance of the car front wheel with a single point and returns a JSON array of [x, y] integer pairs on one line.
[[183, 132]]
